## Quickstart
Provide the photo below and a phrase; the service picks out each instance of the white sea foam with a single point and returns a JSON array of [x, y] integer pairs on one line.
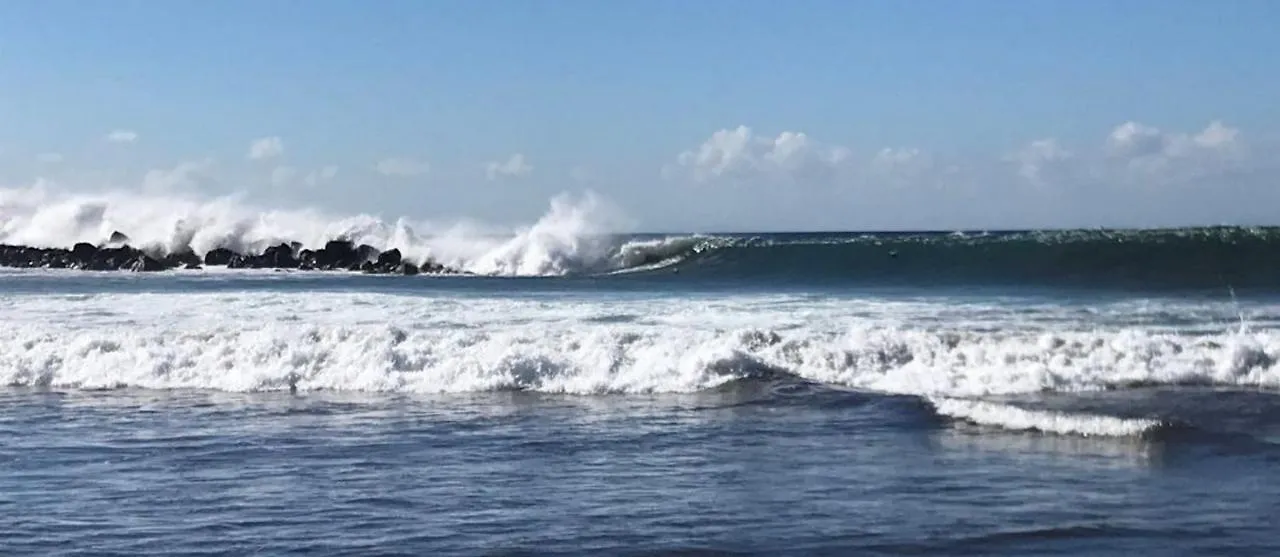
[[252, 341], [577, 233], [1006, 416]]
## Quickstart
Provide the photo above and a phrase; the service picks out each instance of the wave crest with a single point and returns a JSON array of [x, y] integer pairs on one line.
[[576, 234], [1010, 417]]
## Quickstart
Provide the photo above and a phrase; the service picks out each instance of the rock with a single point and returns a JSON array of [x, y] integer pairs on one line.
[[118, 238], [83, 252], [113, 259], [389, 258], [337, 254], [183, 259], [219, 256], [278, 257], [145, 263], [193, 267], [367, 252]]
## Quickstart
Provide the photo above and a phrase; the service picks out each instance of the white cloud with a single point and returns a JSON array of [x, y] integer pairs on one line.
[[515, 166], [739, 151], [1216, 135], [1132, 139], [266, 148], [282, 175], [399, 166], [317, 177], [49, 158], [188, 174], [897, 158], [122, 136], [1150, 154], [1040, 157]]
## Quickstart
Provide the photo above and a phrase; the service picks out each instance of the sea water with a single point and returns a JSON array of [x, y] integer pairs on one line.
[[837, 394]]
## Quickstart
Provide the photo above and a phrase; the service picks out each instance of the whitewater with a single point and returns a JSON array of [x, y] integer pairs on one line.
[[585, 388], [576, 233]]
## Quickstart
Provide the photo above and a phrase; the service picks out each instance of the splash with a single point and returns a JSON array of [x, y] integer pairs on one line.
[[576, 233]]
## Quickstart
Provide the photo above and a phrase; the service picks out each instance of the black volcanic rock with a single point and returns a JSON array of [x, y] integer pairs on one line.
[[113, 259], [389, 258], [238, 261], [367, 252], [145, 263], [185, 259], [277, 257], [336, 255], [83, 252], [118, 237], [219, 256]]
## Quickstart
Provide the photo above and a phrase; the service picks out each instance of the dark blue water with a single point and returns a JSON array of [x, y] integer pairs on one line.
[[667, 411], [194, 473]]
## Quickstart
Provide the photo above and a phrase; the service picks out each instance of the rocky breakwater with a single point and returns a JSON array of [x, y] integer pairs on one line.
[[117, 255]]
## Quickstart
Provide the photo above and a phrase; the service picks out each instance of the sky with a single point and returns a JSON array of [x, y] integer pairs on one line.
[[716, 115]]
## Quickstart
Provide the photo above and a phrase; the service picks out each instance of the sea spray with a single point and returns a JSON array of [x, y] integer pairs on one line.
[[574, 235]]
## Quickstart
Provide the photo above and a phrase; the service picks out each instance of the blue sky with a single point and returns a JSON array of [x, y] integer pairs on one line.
[[913, 114]]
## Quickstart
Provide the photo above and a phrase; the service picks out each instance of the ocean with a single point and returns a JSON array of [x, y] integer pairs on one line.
[[1016, 393]]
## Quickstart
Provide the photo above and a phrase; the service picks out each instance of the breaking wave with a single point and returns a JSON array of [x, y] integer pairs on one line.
[[333, 341], [586, 235], [1010, 417], [576, 234]]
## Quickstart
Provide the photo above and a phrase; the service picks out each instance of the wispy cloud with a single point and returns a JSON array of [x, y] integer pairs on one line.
[[402, 167], [186, 175], [266, 148], [317, 177], [122, 136], [741, 153], [514, 166]]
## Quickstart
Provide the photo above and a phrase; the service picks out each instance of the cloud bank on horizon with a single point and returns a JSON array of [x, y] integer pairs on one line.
[[1134, 175], [1085, 127]]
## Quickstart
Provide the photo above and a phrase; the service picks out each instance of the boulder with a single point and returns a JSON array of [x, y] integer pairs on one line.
[[113, 259], [240, 262], [219, 256], [278, 257], [118, 238], [367, 252], [145, 263], [83, 252], [389, 259], [337, 254], [182, 259]]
